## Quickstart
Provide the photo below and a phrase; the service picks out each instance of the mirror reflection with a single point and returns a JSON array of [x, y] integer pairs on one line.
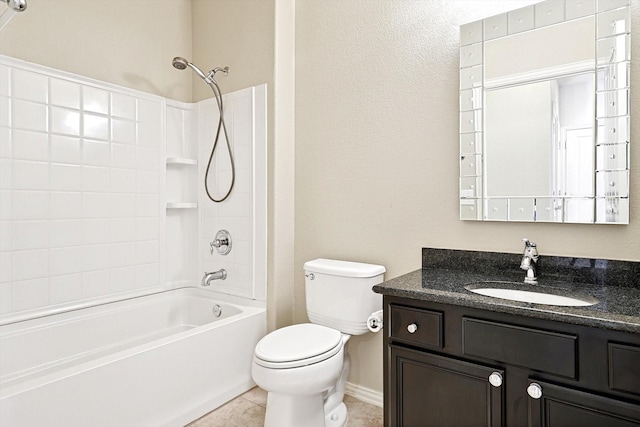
[[544, 115]]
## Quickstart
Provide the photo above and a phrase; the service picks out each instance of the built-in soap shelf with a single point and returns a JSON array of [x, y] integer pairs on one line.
[[181, 161], [182, 205]]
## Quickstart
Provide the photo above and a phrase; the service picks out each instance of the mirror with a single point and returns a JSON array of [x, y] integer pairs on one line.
[[544, 114]]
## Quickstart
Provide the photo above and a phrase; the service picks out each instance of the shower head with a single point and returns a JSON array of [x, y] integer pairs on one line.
[[180, 63]]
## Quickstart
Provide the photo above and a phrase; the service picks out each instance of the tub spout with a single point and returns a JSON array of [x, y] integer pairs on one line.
[[214, 275]]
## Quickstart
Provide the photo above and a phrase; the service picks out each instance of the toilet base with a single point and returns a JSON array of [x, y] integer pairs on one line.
[[338, 417], [294, 411]]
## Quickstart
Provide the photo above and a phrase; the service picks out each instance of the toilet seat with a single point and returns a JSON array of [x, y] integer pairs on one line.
[[298, 345]]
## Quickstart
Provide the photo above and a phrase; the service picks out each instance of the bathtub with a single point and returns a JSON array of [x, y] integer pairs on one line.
[[158, 360]]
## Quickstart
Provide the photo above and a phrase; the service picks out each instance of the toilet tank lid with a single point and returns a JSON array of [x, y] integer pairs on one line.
[[343, 268]]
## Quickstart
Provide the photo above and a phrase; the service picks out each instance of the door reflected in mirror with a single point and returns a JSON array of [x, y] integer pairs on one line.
[[544, 116]]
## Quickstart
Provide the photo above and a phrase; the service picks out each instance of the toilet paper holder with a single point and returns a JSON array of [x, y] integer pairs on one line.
[[375, 322]]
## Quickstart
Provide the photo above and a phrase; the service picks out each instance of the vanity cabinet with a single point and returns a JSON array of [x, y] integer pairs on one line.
[[449, 365]]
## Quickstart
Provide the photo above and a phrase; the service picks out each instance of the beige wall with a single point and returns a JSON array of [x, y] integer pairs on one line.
[[128, 43], [377, 147]]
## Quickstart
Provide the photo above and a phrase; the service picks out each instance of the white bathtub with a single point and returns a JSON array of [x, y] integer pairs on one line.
[[159, 360]]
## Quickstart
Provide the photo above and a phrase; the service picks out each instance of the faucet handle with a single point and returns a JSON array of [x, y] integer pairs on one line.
[[528, 243]]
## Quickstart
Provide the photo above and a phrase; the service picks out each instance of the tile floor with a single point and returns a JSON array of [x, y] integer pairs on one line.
[[248, 410]]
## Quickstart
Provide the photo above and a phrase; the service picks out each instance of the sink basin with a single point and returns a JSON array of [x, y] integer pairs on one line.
[[507, 291]]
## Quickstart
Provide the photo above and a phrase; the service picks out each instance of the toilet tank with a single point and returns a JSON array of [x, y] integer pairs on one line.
[[339, 295]]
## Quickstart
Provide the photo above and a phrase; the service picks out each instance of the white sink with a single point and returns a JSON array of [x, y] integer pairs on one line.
[[531, 296]]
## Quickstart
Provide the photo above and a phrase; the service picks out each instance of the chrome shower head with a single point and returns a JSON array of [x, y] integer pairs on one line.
[[180, 63]]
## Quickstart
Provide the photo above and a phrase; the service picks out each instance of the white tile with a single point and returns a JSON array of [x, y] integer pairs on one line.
[[174, 132], [95, 127], [123, 131], [6, 236], [150, 134], [123, 205], [96, 257], [28, 294], [147, 228], [30, 205], [65, 260], [123, 180], [66, 122], [95, 283], [65, 149], [64, 93], [29, 115], [30, 235], [5, 267], [5, 80], [6, 174], [65, 233], [242, 121], [147, 205], [5, 111], [123, 106], [148, 111], [95, 205], [147, 181], [65, 288], [29, 86], [96, 153], [66, 205], [95, 231], [148, 158], [30, 264], [147, 252], [123, 156], [123, 229], [5, 143], [96, 179], [95, 100], [6, 205], [5, 298], [123, 279], [147, 275], [30, 145], [66, 177], [123, 254], [30, 175]]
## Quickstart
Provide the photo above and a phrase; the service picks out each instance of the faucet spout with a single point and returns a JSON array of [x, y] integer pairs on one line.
[[214, 275], [529, 261]]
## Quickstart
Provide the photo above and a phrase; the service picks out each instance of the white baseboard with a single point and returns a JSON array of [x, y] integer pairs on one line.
[[365, 394]]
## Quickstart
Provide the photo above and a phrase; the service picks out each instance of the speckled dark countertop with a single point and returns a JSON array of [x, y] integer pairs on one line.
[[445, 273]]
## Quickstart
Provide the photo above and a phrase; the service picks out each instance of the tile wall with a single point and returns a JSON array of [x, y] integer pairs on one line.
[[80, 189]]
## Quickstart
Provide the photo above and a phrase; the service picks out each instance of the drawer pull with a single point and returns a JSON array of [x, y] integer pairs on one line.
[[412, 328], [495, 379], [534, 390]]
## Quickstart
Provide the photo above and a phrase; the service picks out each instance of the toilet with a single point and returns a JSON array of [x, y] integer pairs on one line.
[[304, 367]]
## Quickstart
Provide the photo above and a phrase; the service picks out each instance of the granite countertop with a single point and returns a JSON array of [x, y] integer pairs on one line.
[[445, 274]]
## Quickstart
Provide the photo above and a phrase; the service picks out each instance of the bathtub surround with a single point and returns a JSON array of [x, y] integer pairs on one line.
[[97, 207]]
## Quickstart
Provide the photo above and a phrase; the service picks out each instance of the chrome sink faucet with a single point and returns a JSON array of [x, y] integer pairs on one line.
[[529, 261], [214, 275]]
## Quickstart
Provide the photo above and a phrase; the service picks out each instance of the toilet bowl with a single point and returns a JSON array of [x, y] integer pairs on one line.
[[298, 365], [304, 367]]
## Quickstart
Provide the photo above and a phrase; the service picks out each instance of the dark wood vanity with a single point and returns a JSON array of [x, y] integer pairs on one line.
[[457, 359]]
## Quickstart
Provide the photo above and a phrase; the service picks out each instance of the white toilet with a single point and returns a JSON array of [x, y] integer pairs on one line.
[[304, 367]]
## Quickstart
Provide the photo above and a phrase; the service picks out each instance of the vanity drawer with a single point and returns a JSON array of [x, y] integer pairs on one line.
[[536, 349], [624, 368], [416, 326]]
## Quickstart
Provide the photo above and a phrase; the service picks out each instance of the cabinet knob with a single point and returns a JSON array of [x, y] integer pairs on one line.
[[495, 379], [534, 390], [412, 328]]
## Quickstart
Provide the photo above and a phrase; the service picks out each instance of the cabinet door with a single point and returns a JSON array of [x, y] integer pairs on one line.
[[435, 391], [564, 407]]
